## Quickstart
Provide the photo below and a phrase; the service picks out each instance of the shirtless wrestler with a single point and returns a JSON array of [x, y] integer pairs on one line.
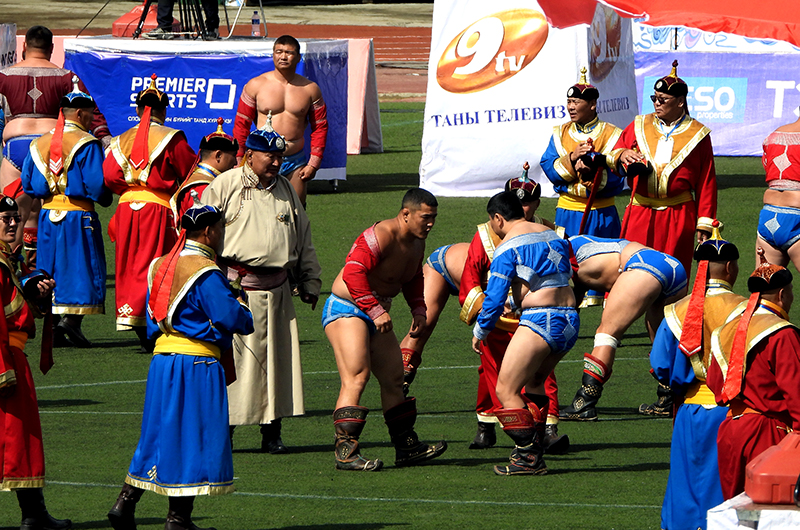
[[443, 269], [292, 100], [779, 220], [442, 273], [533, 261], [385, 259], [639, 281], [30, 93]]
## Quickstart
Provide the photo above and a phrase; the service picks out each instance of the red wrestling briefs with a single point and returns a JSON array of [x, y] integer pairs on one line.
[[318, 119], [245, 116]]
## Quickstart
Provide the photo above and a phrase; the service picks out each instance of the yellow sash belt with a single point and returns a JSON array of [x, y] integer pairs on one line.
[[699, 394], [17, 339], [578, 204], [183, 345], [69, 204], [144, 194], [660, 204]]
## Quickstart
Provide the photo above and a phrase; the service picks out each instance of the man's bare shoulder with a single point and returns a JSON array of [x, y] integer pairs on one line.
[[386, 232], [256, 83]]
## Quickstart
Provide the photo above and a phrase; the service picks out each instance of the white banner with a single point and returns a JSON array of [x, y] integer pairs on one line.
[[8, 44], [497, 82]]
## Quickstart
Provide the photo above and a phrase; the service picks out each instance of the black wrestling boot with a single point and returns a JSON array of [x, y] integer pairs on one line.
[[122, 513], [555, 444], [34, 512], [271, 438], [583, 405], [664, 405], [409, 451], [485, 437], [70, 327], [348, 423], [526, 428], [180, 514]]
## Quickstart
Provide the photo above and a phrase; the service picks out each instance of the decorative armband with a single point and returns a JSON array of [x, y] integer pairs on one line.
[[318, 119], [245, 116]]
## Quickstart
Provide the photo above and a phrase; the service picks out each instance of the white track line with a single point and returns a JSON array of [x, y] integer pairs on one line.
[[324, 372], [396, 499]]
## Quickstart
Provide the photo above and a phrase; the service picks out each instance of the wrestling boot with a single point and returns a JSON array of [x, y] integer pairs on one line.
[[554, 443], [121, 514], [526, 428], [348, 423], [409, 451], [664, 405], [485, 437], [271, 438], [411, 359], [583, 405], [34, 512], [179, 516], [70, 326]]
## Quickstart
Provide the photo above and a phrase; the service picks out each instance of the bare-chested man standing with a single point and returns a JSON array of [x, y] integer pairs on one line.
[[292, 100], [385, 259], [30, 94]]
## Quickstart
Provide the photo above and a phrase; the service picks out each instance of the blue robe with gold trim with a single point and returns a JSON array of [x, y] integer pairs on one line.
[[70, 246], [185, 447], [693, 485]]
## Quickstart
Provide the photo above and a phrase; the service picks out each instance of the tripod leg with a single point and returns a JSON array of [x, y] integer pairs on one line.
[[138, 30]]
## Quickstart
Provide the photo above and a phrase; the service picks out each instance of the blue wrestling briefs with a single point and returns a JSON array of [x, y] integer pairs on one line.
[[585, 247], [292, 162], [437, 261], [667, 270], [558, 326], [16, 149], [779, 226], [336, 308]]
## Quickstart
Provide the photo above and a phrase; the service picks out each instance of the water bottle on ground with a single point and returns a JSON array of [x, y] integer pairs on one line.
[[255, 31]]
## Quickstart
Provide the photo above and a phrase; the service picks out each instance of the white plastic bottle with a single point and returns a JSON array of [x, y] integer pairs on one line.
[[255, 30]]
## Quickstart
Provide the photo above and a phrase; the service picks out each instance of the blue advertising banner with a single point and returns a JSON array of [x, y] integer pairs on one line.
[[204, 81], [741, 97]]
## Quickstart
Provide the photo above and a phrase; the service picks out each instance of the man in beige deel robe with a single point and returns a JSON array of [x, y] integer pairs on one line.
[[266, 235]]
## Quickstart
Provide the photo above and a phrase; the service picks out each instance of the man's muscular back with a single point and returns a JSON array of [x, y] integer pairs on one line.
[[289, 101]]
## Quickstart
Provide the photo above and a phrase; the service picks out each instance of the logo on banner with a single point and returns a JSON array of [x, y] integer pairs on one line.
[[606, 40], [187, 92], [714, 99], [491, 50]]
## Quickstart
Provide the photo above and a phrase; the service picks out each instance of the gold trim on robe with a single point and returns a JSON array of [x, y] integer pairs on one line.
[[74, 138], [158, 138], [685, 138]]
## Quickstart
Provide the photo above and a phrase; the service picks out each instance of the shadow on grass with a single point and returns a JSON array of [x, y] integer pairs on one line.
[[585, 448], [114, 343], [139, 521], [336, 526], [60, 403], [367, 184], [725, 182]]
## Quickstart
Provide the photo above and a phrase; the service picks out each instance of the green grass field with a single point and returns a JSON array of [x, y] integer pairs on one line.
[[614, 477]]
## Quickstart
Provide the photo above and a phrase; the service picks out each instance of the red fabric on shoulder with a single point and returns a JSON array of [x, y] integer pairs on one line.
[[363, 257], [692, 333]]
